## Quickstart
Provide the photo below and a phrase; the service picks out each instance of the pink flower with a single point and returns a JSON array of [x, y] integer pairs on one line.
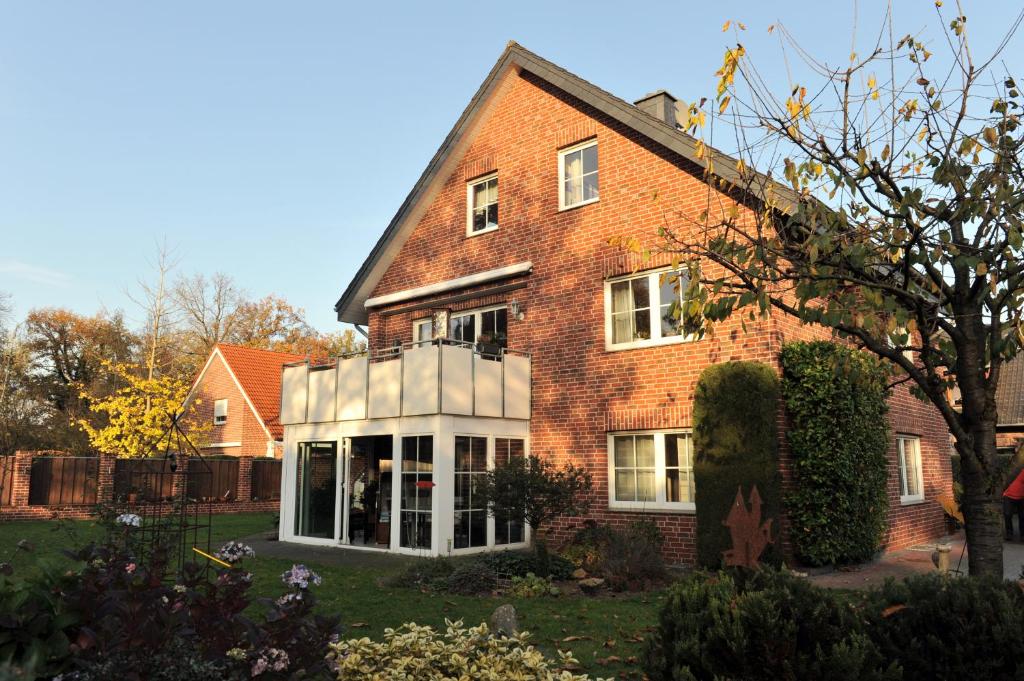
[[130, 568]]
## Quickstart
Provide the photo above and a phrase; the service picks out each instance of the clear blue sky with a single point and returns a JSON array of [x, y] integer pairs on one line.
[[274, 141]]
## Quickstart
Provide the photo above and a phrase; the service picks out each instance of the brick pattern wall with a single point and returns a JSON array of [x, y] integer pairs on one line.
[[20, 510], [580, 390], [242, 425]]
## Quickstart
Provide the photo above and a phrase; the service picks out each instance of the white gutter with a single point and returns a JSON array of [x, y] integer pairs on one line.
[[450, 284]]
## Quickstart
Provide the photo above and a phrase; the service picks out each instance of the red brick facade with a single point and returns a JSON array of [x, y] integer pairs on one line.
[[581, 391]]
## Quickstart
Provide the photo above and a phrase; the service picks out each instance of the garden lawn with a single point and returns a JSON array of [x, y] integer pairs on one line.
[[604, 633]]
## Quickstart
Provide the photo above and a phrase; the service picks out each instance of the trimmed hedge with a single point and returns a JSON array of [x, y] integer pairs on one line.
[[839, 438], [735, 439], [772, 625], [755, 625]]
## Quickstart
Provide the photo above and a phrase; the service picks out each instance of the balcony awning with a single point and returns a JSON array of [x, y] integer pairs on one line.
[[450, 284]]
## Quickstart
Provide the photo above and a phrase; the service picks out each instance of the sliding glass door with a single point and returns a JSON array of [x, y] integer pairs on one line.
[[317, 489], [417, 485]]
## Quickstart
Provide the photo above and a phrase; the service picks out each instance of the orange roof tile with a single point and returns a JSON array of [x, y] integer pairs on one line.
[[259, 373]]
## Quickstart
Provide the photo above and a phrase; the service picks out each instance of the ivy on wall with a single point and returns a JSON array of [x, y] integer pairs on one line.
[[835, 400], [735, 438]]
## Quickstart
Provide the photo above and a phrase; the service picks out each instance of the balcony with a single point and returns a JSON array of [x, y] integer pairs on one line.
[[418, 379]]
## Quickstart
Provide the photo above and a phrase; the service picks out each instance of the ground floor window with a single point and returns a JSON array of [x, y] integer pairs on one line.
[[911, 483], [508, 530], [417, 487], [651, 469]]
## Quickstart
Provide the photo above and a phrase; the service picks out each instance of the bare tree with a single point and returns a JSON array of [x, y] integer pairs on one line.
[[209, 311]]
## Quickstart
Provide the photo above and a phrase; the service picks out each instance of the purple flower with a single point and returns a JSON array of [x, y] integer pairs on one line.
[[273, 659], [300, 576], [234, 551]]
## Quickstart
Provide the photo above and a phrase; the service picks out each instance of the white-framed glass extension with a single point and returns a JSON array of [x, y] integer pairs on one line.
[[404, 485]]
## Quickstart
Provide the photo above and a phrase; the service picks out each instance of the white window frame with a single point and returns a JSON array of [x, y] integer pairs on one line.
[[562, 153], [220, 416], [901, 464], [417, 324], [469, 205], [659, 503], [654, 287], [477, 317]]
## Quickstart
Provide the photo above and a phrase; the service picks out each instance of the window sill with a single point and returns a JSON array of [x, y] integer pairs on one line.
[[655, 343], [911, 501], [470, 233], [676, 509], [562, 209]]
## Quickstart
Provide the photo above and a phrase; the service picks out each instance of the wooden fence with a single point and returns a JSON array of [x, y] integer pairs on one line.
[[214, 480], [143, 480], [6, 480], [64, 480], [266, 479]]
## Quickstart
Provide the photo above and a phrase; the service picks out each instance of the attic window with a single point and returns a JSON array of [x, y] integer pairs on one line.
[[220, 412], [483, 205], [577, 175]]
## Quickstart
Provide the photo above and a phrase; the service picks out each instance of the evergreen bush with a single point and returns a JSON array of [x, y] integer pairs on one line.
[[735, 439], [943, 627], [839, 438], [756, 625]]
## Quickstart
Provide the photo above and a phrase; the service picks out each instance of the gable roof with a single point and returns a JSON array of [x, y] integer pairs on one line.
[[351, 306], [257, 373]]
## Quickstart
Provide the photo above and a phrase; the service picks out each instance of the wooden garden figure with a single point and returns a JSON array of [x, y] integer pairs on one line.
[[749, 535]]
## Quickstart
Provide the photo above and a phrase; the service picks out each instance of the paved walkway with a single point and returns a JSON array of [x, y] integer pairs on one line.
[[912, 561], [327, 555]]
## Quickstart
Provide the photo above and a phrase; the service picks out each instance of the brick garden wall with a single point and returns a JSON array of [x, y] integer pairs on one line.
[[19, 508], [580, 390]]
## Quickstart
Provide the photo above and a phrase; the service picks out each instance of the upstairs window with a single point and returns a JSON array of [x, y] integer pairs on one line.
[[577, 175], [646, 309], [488, 325], [483, 205], [220, 412], [423, 330], [911, 482]]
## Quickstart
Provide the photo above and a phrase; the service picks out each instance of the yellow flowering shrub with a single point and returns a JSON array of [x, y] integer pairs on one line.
[[418, 653]]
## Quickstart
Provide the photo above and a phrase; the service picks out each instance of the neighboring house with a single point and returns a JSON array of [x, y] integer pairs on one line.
[[501, 323], [1010, 403], [238, 392]]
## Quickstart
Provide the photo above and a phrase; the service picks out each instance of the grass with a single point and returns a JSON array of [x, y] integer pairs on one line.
[[605, 634]]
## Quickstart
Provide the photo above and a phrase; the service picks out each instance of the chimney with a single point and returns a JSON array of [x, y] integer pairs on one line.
[[659, 104]]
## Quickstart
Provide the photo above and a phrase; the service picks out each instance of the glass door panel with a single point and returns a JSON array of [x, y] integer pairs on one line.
[[417, 492], [368, 491], [317, 489]]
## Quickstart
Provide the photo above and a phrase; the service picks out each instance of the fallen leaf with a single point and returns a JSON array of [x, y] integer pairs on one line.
[[610, 643], [358, 625], [570, 639], [892, 610]]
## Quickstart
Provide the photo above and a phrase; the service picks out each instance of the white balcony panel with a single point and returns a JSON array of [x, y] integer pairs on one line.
[[321, 395], [457, 385], [419, 381], [517, 387], [487, 387], [293, 394], [352, 389], [385, 389]]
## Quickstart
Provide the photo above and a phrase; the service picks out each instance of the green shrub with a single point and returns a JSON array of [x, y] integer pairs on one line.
[[521, 563], [756, 625], [470, 578], [532, 586], [941, 627], [626, 559], [418, 652], [735, 439], [836, 403], [424, 573]]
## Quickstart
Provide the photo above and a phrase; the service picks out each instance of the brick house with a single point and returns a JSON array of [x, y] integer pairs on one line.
[[498, 333], [238, 392]]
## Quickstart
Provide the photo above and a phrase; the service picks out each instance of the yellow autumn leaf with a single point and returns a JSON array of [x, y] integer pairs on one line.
[[885, 153], [724, 104], [990, 135], [725, 26]]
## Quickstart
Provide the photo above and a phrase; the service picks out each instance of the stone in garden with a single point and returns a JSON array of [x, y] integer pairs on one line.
[[591, 585], [579, 573], [504, 621]]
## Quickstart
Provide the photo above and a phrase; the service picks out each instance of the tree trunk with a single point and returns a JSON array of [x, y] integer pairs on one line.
[[982, 498]]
